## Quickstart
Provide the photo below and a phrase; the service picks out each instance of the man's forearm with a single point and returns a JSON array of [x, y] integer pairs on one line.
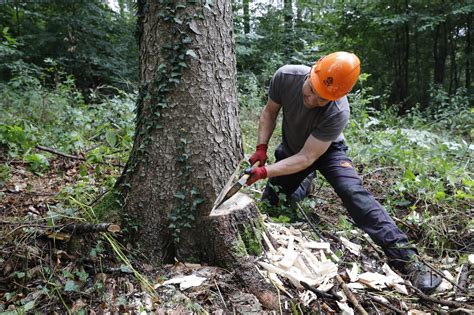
[[311, 151], [290, 165]]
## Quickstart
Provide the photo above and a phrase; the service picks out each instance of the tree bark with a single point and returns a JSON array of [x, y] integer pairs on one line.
[[289, 36], [468, 51], [453, 76], [187, 139], [406, 68], [440, 53], [246, 9]]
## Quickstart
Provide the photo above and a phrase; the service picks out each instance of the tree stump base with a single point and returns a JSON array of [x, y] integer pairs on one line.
[[233, 234]]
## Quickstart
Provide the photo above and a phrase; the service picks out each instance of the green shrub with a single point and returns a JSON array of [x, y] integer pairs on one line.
[[37, 163]]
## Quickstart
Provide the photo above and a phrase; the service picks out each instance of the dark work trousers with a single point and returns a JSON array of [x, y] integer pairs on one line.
[[368, 214]]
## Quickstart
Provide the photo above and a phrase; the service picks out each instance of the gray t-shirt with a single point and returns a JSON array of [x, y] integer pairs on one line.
[[324, 123]]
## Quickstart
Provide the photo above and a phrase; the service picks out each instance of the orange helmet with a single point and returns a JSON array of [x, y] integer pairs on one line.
[[334, 75]]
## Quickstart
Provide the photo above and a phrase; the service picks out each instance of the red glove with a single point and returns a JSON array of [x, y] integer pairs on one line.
[[259, 155], [255, 173]]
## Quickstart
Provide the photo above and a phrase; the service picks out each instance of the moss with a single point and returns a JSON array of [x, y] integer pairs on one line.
[[239, 249], [252, 241], [108, 208], [252, 237]]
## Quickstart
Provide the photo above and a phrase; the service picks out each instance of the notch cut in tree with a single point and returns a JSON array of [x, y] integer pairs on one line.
[[188, 142]]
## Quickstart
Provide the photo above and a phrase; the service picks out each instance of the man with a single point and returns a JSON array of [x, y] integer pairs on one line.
[[315, 112]]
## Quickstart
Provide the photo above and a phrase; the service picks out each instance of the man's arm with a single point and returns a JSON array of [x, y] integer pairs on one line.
[[311, 151], [267, 122]]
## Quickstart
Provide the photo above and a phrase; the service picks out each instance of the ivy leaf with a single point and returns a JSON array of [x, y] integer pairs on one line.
[[29, 306], [191, 53], [110, 137], [71, 286], [125, 269], [197, 202], [180, 195]]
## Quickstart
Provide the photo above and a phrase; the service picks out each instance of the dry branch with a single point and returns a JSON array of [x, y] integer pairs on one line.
[[463, 279], [86, 228], [73, 157], [350, 296], [54, 151], [390, 307], [319, 293], [428, 298]]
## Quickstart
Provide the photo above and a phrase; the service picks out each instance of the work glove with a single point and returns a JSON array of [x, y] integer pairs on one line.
[[255, 173], [259, 155]]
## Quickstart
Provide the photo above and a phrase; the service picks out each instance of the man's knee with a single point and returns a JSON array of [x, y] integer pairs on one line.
[[356, 199]]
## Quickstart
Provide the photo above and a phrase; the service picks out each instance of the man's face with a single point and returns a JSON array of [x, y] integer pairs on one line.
[[311, 99]]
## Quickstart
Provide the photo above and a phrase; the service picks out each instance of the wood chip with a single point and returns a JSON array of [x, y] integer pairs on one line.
[[345, 308], [316, 245], [352, 247], [186, 282], [353, 273]]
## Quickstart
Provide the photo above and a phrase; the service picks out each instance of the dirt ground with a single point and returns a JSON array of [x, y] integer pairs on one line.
[[47, 272]]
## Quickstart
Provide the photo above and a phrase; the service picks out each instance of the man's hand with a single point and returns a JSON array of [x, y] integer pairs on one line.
[[255, 173], [259, 155]]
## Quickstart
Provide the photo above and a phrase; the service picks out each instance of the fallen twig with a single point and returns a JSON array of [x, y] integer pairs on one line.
[[98, 198], [412, 228], [220, 294], [350, 296], [438, 301], [463, 278], [74, 157], [54, 151], [311, 224], [320, 293], [390, 307]]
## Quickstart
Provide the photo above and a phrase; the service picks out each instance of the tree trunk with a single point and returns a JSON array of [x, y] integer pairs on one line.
[[246, 8], [17, 16], [187, 139], [288, 12], [440, 53], [453, 76], [406, 61], [468, 51]]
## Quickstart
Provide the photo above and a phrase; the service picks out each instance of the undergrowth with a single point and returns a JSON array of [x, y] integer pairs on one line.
[[423, 160]]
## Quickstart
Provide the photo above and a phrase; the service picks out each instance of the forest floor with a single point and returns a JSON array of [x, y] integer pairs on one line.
[[46, 271]]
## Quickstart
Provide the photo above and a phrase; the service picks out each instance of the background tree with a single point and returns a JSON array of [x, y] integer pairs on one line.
[[410, 49], [85, 38]]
